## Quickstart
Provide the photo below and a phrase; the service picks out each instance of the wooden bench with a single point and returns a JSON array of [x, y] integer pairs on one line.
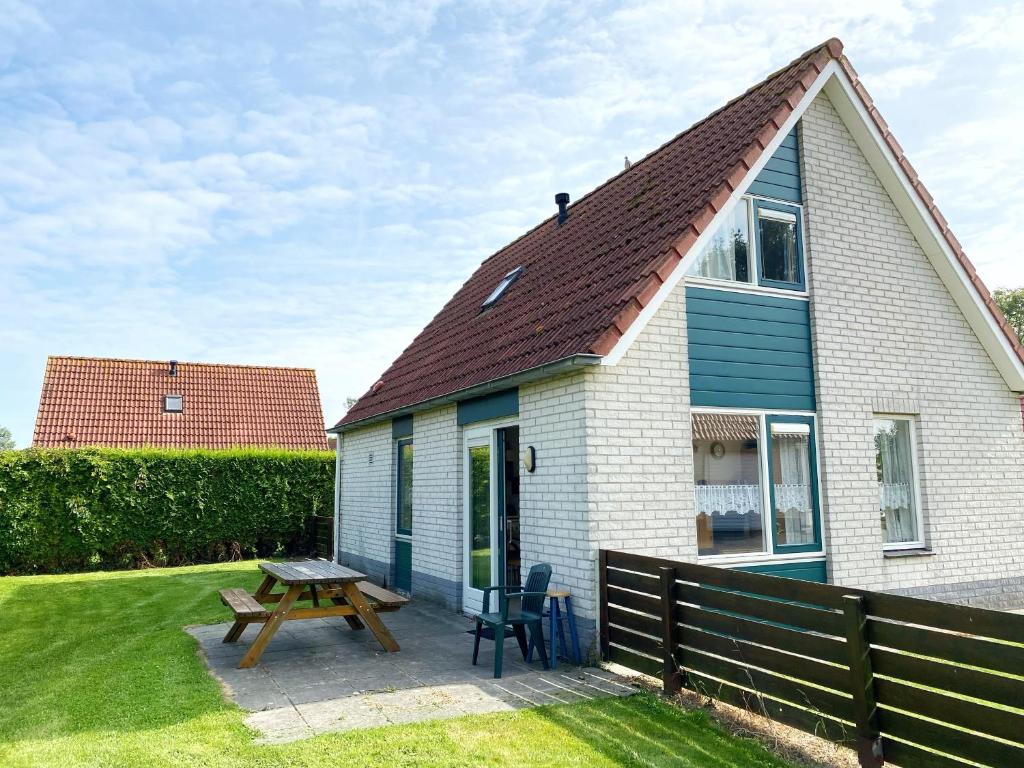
[[334, 590], [245, 606], [384, 598]]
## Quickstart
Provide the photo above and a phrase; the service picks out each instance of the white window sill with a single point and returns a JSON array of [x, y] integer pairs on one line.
[[738, 287], [913, 552]]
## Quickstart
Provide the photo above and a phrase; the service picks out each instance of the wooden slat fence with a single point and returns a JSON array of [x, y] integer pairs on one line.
[[903, 681]]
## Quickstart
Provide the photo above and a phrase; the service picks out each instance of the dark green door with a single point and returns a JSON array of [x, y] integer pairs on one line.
[[508, 504]]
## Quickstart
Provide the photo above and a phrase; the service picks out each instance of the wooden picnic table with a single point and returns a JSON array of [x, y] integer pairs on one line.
[[346, 591]]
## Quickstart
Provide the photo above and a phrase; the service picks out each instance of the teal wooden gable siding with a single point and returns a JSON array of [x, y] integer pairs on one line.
[[780, 178], [749, 351]]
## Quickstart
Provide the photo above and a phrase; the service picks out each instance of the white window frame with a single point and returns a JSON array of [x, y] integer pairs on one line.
[[473, 435], [767, 556], [754, 254], [919, 542]]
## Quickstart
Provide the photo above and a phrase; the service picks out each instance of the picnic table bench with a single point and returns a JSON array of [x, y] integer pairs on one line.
[[346, 592]]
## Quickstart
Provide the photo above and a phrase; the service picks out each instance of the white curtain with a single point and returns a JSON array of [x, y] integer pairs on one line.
[[895, 484], [793, 490]]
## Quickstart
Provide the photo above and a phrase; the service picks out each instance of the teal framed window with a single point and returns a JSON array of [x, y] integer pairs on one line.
[[779, 245], [760, 242], [793, 484], [403, 485], [756, 490]]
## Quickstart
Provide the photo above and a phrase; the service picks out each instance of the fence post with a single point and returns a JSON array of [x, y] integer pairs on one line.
[[602, 600], [862, 682], [670, 673]]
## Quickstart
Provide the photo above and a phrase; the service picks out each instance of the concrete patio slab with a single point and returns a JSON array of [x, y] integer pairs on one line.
[[319, 676]]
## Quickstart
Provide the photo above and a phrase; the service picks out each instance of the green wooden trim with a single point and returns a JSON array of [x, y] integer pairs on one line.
[[751, 370], [402, 578], [777, 191], [747, 340], [787, 153], [745, 325], [781, 165], [796, 315], [815, 501], [813, 571], [749, 351], [760, 385], [401, 427], [752, 400], [739, 297], [800, 284], [493, 406], [780, 177], [740, 355], [790, 139]]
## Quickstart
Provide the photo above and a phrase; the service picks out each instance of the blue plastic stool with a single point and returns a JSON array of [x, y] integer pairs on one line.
[[556, 614]]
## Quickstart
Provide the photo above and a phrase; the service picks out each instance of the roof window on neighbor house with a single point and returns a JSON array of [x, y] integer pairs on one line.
[[174, 403], [504, 285]]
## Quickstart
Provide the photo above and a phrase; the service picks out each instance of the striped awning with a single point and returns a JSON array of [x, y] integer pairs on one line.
[[725, 427]]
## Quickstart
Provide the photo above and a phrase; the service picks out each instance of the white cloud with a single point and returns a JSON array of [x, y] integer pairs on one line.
[[308, 187]]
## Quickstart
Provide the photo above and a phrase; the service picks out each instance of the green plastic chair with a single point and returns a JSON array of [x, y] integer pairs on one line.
[[520, 608]]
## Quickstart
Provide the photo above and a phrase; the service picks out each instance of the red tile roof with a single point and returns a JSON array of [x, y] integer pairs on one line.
[[585, 282], [120, 403]]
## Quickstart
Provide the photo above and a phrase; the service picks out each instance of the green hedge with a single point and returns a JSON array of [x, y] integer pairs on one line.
[[95, 508]]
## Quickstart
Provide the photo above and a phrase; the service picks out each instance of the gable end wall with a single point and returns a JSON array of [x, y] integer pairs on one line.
[[888, 337]]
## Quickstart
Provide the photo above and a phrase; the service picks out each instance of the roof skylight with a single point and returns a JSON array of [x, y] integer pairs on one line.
[[503, 286]]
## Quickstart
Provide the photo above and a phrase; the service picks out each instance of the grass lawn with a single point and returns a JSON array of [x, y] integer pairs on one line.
[[95, 670]]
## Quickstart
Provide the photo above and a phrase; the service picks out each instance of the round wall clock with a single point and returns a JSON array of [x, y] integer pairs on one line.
[[717, 450]]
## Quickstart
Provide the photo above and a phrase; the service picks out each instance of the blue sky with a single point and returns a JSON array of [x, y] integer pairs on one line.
[[306, 183]]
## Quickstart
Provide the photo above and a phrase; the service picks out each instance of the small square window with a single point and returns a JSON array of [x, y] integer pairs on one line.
[[173, 403]]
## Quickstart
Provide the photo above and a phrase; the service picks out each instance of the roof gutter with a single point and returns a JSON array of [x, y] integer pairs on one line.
[[564, 365]]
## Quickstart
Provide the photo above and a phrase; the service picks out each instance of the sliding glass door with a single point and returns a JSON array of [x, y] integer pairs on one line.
[[491, 511]]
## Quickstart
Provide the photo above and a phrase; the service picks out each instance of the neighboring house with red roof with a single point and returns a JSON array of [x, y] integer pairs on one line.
[[759, 347], [90, 401]]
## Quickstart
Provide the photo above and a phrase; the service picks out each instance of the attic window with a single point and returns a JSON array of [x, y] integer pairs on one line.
[[173, 403], [758, 243], [503, 286]]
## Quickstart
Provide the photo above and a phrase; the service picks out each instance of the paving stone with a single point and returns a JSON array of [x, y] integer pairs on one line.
[[320, 676]]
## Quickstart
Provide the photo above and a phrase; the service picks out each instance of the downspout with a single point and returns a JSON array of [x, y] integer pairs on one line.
[[337, 497]]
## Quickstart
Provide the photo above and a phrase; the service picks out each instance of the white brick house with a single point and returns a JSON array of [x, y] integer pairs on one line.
[[759, 347]]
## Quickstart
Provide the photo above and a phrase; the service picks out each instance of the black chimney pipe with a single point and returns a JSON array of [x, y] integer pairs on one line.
[[174, 368], [562, 201]]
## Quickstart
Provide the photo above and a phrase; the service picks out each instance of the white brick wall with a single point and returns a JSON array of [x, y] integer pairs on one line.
[[639, 446], [888, 338], [366, 526], [553, 499], [437, 495]]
